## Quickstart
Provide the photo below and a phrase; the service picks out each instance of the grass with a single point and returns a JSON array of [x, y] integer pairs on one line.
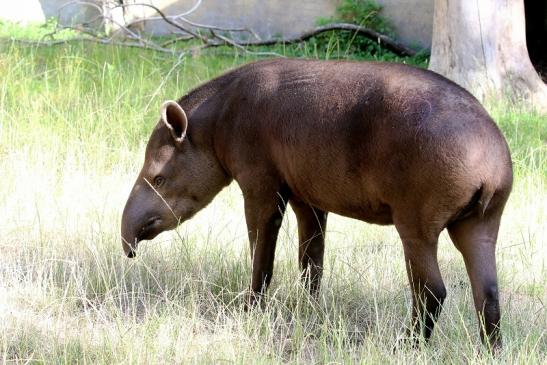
[[74, 120]]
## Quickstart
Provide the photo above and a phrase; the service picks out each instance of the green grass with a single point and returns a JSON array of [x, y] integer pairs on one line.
[[74, 120]]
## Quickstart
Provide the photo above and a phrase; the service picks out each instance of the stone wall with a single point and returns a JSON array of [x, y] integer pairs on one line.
[[412, 19]]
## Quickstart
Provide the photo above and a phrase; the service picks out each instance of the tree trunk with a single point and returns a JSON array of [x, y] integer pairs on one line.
[[481, 45]]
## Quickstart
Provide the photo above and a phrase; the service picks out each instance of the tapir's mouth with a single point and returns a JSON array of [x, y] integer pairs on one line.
[[150, 229], [152, 226]]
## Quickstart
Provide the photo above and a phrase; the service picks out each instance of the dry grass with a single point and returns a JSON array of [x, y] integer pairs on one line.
[[73, 124]]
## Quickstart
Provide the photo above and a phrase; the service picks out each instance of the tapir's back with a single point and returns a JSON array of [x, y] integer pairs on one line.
[[346, 135], [358, 103]]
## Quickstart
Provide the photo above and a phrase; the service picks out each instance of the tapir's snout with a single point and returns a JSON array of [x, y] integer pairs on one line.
[[129, 248], [130, 232], [138, 223]]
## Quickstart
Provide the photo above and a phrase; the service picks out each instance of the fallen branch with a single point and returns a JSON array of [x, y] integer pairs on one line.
[[169, 20], [384, 40]]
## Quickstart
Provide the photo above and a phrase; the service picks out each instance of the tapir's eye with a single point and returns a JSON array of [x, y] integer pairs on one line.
[[158, 181]]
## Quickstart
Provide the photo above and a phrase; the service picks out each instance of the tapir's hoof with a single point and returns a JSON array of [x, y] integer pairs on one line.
[[253, 300], [495, 347], [408, 340]]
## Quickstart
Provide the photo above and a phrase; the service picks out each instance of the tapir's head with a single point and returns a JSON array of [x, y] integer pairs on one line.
[[180, 176]]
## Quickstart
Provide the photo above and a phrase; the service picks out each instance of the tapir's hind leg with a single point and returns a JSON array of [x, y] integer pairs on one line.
[[312, 223], [428, 290], [475, 237]]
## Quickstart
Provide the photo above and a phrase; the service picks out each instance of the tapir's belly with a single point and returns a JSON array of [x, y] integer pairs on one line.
[[348, 196], [371, 211]]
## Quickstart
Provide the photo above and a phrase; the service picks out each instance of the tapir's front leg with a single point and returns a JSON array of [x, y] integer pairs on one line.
[[264, 209]]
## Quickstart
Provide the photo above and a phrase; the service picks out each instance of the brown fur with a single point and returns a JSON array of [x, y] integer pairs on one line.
[[383, 143]]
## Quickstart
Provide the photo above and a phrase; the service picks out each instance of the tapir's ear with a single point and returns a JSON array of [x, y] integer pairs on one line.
[[174, 117]]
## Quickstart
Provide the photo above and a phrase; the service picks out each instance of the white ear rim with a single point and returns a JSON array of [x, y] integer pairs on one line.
[[173, 104]]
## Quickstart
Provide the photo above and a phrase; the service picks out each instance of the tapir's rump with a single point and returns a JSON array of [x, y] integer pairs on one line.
[[383, 143]]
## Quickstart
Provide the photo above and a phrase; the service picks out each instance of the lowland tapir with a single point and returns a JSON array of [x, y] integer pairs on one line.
[[381, 142]]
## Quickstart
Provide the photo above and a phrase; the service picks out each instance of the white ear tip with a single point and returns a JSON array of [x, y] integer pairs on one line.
[[169, 103], [166, 104], [174, 117]]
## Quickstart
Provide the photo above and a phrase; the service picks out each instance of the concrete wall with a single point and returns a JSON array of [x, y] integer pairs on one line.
[[266, 18], [412, 19], [22, 11], [37, 11]]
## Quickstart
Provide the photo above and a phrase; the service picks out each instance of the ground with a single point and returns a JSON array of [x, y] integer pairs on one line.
[[74, 120]]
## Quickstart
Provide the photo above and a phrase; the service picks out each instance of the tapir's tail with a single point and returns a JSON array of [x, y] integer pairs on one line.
[[486, 192], [496, 181], [482, 199], [478, 199]]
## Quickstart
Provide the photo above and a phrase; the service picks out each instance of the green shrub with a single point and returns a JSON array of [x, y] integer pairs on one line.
[[341, 44], [361, 12]]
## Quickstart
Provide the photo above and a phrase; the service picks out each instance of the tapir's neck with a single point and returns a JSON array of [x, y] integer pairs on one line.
[[205, 107]]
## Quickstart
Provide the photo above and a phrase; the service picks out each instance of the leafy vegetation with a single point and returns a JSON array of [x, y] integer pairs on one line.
[[362, 12], [344, 44]]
